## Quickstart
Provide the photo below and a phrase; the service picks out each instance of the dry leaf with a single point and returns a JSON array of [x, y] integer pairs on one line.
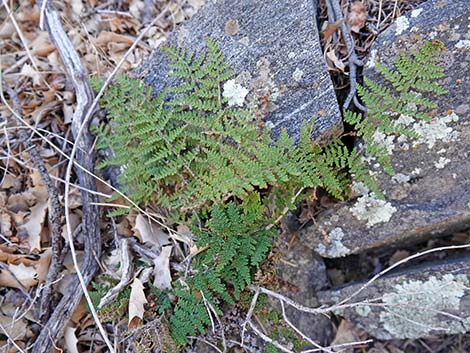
[[334, 59], [330, 29], [70, 340], [136, 303], [28, 71], [148, 231], [27, 276], [106, 38], [357, 16], [161, 272], [184, 235], [16, 329], [346, 333], [34, 223], [397, 256], [5, 224]]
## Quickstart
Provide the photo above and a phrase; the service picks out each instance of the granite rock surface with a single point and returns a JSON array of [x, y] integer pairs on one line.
[[429, 196], [274, 49], [422, 301]]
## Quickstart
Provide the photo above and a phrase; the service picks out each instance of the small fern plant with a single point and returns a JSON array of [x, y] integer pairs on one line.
[[189, 152], [403, 94]]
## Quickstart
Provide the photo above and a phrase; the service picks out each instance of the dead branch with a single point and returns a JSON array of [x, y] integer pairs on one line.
[[334, 9], [126, 270], [54, 327]]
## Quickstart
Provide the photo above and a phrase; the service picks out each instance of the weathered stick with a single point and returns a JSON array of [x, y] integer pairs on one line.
[[54, 327]]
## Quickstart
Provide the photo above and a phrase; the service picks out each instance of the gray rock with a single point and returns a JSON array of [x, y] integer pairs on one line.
[[273, 47], [303, 273], [426, 300], [430, 194]]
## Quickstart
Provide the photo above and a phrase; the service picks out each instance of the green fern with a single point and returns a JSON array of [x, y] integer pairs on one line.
[[187, 151], [403, 94]]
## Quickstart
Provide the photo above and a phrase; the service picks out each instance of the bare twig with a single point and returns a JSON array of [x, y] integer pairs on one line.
[[126, 270], [300, 333], [406, 259], [334, 8], [341, 305]]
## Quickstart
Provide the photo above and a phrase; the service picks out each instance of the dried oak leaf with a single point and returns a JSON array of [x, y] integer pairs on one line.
[[17, 276], [137, 301]]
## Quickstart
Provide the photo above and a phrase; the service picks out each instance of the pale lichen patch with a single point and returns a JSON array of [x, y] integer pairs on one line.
[[442, 162], [297, 75], [400, 178], [415, 13], [373, 210], [385, 141], [372, 59], [359, 188], [436, 130], [463, 44], [413, 309], [363, 310], [335, 248], [402, 25], [235, 93]]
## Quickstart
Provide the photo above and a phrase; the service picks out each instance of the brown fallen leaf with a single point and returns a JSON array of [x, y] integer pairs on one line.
[[35, 221], [346, 333], [330, 29], [357, 16], [161, 271], [105, 38], [15, 329], [70, 339], [136, 303], [15, 276], [331, 55], [150, 232]]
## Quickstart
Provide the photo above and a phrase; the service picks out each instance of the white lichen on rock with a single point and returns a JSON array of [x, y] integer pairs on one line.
[[442, 162], [359, 188], [405, 119], [385, 141], [235, 93], [373, 210], [363, 310], [463, 44], [402, 25], [373, 58], [400, 178], [297, 75], [415, 308], [436, 130], [335, 248], [415, 13]]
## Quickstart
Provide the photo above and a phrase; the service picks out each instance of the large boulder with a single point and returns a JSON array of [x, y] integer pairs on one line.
[[274, 49], [430, 194]]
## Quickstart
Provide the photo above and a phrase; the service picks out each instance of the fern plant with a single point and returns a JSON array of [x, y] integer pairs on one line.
[[403, 94], [188, 151]]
